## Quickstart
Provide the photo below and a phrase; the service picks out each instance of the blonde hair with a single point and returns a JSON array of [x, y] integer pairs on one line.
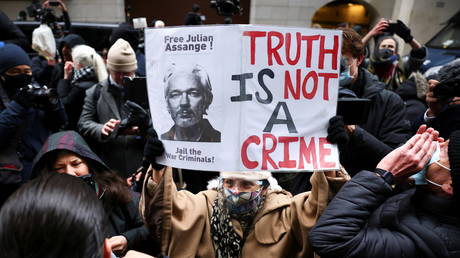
[[88, 57]]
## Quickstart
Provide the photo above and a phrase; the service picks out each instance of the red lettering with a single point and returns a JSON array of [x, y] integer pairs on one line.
[[309, 46], [244, 152], [265, 152], [287, 163], [310, 95], [323, 152], [288, 87], [334, 52], [273, 51], [308, 153], [253, 35], [288, 49], [326, 77]]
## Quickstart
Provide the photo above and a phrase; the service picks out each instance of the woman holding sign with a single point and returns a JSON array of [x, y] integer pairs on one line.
[[241, 214]]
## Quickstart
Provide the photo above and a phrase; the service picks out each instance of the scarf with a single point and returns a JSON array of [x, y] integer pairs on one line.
[[85, 73], [227, 243]]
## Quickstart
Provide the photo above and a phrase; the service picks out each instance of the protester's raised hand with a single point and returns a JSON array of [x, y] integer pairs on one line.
[[412, 156], [403, 32], [68, 68], [379, 28], [109, 127]]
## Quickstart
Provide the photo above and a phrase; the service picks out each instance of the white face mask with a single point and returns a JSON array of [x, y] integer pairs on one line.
[[419, 178]]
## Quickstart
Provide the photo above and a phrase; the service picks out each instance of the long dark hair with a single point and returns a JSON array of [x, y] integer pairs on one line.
[[54, 215], [116, 188]]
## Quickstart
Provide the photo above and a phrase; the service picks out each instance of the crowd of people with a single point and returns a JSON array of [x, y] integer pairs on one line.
[[79, 178]]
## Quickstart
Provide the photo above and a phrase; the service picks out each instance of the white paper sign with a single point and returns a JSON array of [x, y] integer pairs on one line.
[[244, 97]]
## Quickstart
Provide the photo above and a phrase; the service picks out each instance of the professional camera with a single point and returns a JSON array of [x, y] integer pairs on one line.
[[227, 8], [448, 88], [44, 15], [41, 97]]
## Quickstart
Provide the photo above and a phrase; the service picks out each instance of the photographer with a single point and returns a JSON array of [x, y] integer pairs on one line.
[[29, 114], [443, 113], [51, 19], [385, 61]]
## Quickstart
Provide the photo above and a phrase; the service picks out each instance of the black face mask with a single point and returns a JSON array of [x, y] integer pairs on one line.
[[385, 53], [13, 83]]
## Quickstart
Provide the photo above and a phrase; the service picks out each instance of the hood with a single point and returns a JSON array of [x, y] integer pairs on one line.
[[43, 41], [71, 40], [66, 140], [368, 85]]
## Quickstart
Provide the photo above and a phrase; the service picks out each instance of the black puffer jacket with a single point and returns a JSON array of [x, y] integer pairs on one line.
[[366, 220], [385, 129]]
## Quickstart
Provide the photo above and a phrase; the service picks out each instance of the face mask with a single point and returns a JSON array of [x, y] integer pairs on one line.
[[387, 55], [17, 81], [419, 178], [242, 202], [345, 78]]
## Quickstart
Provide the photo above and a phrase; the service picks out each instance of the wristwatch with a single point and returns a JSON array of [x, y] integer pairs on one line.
[[386, 175]]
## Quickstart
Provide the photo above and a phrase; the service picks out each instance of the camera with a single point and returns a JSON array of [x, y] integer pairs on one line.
[[41, 97], [448, 88], [227, 8]]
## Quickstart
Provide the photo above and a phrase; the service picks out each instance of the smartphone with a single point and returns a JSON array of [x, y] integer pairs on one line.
[[392, 26], [53, 3], [353, 110], [136, 90]]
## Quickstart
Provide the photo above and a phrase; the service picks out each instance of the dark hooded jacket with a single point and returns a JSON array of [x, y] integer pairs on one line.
[[71, 41], [385, 129], [72, 93], [366, 219], [123, 219]]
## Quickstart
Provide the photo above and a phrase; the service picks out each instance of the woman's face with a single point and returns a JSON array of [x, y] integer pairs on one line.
[[71, 164], [240, 185]]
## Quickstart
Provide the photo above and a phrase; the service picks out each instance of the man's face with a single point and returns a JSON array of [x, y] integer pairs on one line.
[[353, 63], [185, 100], [118, 76], [388, 43], [439, 173]]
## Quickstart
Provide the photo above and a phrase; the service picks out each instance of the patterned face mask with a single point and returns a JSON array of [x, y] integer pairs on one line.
[[243, 202]]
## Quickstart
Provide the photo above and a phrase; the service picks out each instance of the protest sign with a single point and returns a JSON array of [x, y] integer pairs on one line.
[[244, 97]]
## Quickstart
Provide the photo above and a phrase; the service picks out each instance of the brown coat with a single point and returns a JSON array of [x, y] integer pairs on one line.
[[182, 219]]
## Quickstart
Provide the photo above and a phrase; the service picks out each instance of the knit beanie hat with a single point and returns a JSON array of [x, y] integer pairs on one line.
[[454, 160], [12, 55], [121, 57]]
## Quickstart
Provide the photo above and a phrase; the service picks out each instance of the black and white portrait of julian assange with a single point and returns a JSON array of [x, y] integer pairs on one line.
[[188, 95]]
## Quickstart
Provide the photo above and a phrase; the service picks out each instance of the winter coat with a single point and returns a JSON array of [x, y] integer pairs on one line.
[[11, 33], [123, 153], [123, 219], [182, 219], [446, 122], [73, 95], [365, 219], [33, 126], [41, 70], [386, 127]]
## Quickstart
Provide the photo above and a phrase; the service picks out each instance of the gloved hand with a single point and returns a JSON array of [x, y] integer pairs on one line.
[[403, 31], [153, 148], [23, 97], [137, 116], [336, 132]]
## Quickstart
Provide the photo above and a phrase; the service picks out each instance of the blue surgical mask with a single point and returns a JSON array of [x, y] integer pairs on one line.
[[419, 178], [345, 78]]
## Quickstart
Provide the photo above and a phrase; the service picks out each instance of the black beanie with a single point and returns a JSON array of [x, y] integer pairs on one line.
[[454, 161], [12, 55]]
